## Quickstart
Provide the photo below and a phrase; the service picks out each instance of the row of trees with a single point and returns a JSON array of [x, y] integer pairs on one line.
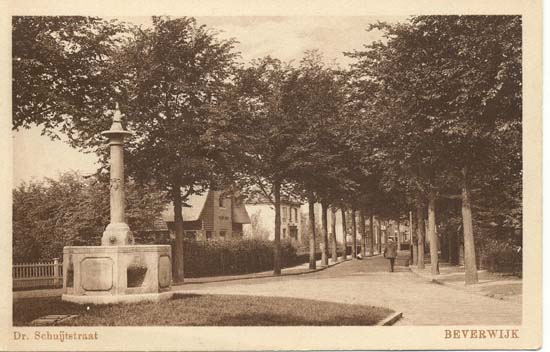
[[428, 115]]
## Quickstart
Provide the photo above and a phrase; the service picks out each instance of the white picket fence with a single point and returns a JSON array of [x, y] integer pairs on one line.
[[40, 274]]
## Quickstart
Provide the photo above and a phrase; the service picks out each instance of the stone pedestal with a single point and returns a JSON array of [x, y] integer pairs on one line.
[[116, 274]]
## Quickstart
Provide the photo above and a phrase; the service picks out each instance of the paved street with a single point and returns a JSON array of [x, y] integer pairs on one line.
[[368, 282]]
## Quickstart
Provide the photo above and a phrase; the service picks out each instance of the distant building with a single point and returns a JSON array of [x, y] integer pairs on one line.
[[262, 225], [318, 220], [212, 215]]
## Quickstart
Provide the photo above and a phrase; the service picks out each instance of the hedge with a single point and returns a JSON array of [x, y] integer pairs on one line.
[[503, 260], [233, 257]]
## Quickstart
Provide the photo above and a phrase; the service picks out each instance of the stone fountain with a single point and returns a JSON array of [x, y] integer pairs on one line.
[[118, 270]]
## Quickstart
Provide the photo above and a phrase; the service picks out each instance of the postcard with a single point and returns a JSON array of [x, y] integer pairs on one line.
[[271, 175]]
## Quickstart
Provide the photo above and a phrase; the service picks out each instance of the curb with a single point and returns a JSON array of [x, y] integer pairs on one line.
[[431, 279], [265, 276], [391, 319]]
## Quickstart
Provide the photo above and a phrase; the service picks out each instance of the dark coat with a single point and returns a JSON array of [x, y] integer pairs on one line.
[[390, 251]]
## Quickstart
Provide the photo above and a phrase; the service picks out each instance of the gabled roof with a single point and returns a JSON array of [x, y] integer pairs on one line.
[[196, 204], [190, 213], [239, 213]]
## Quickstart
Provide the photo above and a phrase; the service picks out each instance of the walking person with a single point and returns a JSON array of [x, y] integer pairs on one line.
[[390, 252]]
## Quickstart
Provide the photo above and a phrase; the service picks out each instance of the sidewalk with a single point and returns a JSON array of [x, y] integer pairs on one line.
[[492, 285], [295, 270]]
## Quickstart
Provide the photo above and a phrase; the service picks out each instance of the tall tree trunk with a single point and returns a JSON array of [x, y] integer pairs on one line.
[[324, 254], [411, 239], [434, 259], [398, 236], [277, 251], [362, 231], [178, 223], [334, 244], [454, 247], [421, 232], [353, 234], [344, 234], [366, 238], [312, 249], [414, 240], [444, 248], [467, 224], [371, 234], [379, 235]]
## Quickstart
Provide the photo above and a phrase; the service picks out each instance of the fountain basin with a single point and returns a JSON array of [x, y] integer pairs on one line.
[[116, 274]]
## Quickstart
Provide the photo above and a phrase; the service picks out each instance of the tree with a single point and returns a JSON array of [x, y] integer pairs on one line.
[[362, 232], [334, 244], [432, 235], [344, 234], [353, 233], [264, 133], [312, 226], [177, 74], [371, 233], [314, 97]]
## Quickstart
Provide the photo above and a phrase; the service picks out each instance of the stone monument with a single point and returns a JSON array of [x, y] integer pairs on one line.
[[117, 271]]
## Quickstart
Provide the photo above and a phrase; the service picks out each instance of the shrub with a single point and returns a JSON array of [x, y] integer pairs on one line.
[[233, 257], [502, 257]]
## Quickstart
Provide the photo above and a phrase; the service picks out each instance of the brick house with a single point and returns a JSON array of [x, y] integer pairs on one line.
[[212, 215]]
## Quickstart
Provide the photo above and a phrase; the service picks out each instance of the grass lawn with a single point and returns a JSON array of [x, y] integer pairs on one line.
[[203, 310]]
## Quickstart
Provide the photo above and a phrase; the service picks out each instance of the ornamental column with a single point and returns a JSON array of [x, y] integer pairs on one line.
[[117, 232]]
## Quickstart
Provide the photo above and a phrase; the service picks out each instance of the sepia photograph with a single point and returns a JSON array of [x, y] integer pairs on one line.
[[257, 171]]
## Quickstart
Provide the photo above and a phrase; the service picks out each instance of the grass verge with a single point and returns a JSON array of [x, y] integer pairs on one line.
[[204, 310]]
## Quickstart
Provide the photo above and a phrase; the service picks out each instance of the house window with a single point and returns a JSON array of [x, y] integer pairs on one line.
[[294, 232], [284, 233], [191, 235], [285, 214], [220, 201], [295, 214], [223, 233], [208, 235]]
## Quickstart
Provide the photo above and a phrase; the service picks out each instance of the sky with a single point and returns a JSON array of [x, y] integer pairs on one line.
[[286, 38]]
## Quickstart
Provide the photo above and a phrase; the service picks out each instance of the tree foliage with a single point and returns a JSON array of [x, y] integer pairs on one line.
[[442, 120], [62, 72], [73, 210], [178, 73]]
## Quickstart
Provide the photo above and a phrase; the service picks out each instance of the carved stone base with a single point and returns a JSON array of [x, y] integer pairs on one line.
[[117, 234], [112, 274]]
